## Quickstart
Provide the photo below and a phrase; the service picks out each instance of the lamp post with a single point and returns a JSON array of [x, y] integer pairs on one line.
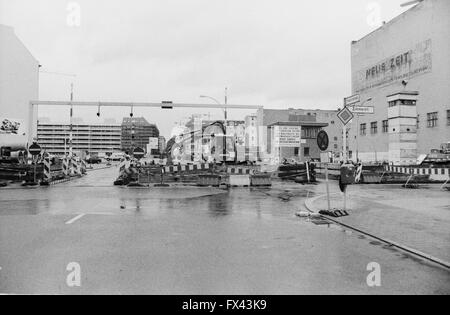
[[215, 100]]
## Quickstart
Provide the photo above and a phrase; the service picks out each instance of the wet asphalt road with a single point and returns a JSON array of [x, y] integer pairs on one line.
[[189, 240]]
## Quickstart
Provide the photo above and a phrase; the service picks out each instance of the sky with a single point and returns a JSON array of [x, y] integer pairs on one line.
[[279, 54]]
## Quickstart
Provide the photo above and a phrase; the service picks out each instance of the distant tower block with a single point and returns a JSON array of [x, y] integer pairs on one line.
[[402, 115]]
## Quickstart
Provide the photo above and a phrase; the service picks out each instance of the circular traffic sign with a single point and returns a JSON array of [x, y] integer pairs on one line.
[[34, 149], [322, 140], [138, 153]]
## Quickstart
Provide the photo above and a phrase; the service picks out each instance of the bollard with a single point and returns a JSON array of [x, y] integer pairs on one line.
[[65, 166], [47, 171]]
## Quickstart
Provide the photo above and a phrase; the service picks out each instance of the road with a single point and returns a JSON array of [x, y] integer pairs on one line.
[[189, 240]]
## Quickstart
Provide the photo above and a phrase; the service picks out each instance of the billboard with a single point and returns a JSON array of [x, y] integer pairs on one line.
[[287, 136], [400, 66], [12, 133], [153, 143]]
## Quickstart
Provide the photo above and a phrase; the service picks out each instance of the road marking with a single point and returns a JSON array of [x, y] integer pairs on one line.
[[76, 218]]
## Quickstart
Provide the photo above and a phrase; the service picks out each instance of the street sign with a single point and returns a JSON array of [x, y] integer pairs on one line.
[[34, 149], [287, 136], [322, 140], [362, 109], [345, 115], [351, 100], [138, 153]]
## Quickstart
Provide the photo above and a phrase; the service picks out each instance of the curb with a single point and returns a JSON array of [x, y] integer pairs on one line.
[[310, 208]]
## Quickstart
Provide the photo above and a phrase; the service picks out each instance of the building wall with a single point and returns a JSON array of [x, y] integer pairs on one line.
[[142, 129], [94, 139], [19, 78], [423, 32], [266, 117]]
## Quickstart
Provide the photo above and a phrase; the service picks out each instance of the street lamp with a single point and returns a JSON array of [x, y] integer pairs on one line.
[[215, 100]]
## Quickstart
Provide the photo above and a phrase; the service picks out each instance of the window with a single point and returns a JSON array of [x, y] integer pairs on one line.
[[335, 146], [306, 151], [374, 128], [418, 119], [448, 117], [432, 119], [362, 129], [296, 151], [332, 122], [335, 138], [385, 126]]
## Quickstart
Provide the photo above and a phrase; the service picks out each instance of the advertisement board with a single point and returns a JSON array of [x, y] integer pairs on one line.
[[401, 66], [287, 136], [153, 143], [13, 133]]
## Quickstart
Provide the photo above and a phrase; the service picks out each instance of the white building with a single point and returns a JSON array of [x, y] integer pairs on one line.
[[98, 139], [19, 84], [407, 59]]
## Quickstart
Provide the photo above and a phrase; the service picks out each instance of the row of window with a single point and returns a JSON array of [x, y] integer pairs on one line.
[[432, 121], [374, 127]]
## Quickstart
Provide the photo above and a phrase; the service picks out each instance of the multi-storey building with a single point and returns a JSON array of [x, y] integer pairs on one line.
[[136, 133], [403, 68], [90, 139]]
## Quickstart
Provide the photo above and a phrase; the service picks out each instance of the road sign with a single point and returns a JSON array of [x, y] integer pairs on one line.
[[138, 153], [34, 149], [322, 140], [345, 115], [351, 100], [362, 109]]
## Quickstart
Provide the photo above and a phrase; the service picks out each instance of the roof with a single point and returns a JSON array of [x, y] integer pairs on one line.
[[299, 124]]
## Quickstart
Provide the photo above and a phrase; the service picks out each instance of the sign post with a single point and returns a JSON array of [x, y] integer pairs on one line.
[[345, 115], [138, 153], [323, 142], [35, 150]]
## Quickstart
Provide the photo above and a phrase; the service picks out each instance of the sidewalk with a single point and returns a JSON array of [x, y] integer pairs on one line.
[[418, 218]]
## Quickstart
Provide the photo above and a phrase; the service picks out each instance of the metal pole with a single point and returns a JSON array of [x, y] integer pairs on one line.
[[328, 187], [357, 135], [71, 123], [226, 102], [345, 200], [35, 167], [344, 140]]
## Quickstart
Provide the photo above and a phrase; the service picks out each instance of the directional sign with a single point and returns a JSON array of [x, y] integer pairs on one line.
[[362, 109], [138, 153], [351, 100], [322, 140], [345, 115], [34, 149]]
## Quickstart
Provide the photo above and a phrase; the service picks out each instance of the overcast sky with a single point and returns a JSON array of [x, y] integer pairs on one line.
[[280, 54]]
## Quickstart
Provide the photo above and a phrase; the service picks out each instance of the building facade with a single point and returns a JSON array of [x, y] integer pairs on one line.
[[91, 139], [136, 132], [311, 120], [19, 84], [406, 62]]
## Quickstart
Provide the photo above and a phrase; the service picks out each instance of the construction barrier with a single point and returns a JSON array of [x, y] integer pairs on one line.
[[47, 170], [209, 180], [435, 174], [188, 168], [65, 166], [239, 181], [240, 170], [260, 180]]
